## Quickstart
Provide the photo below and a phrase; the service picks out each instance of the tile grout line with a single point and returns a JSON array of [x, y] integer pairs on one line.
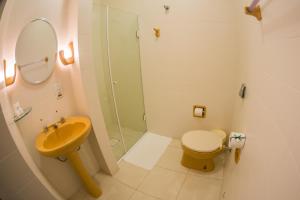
[[205, 176], [8, 155], [130, 197], [173, 170], [137, 189], [185, 178], [150, 195], [148, 171], [143, 179]]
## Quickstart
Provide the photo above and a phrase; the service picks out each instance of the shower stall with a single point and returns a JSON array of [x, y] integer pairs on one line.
[[118, 71]]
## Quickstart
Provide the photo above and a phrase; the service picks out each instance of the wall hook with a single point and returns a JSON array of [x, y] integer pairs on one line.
[[256, 12], [156, 32]]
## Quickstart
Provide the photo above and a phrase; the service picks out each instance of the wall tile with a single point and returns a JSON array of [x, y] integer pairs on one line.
[[33, 190], [269, 166], [7, 145], [14, 173]]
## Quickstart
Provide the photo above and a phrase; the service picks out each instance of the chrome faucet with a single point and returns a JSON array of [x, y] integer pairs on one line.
[[54, 125], [62, 120]]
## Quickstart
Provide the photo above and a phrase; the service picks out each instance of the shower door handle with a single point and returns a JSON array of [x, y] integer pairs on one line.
[[115, 82]]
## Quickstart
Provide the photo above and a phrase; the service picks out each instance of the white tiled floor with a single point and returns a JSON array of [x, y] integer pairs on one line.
[[168, 180], [130, 136]]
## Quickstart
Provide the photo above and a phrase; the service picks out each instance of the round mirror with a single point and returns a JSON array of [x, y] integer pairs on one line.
[[36, 51]]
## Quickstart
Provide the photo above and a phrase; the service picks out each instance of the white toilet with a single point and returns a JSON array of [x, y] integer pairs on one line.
[[200, 147]]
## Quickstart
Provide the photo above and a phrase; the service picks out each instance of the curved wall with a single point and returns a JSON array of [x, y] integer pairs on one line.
[[56, 176], [270, 66]]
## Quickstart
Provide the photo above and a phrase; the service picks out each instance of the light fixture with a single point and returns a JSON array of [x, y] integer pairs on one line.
[[9, 73], [67, 55]]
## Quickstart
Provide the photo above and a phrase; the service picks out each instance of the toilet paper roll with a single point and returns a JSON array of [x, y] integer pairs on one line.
[[198, 112], [236, 140]]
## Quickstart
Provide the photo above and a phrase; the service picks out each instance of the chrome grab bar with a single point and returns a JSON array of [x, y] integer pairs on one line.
[[46, 59]]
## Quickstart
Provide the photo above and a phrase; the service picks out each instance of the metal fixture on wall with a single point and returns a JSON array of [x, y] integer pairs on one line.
[[167, 8], [43, 60], [242, 92]]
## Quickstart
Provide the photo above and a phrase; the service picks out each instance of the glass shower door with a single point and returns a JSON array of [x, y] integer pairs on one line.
[[104, 81], [118, 74], [126, 74]]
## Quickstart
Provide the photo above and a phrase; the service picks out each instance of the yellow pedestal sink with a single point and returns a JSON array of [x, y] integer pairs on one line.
[[63, 139]]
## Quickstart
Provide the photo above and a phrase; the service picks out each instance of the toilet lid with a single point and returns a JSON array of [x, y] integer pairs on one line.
[[202, 141]]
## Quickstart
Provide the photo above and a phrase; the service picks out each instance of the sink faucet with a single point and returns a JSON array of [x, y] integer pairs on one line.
[[62, 120], [46, 128], [54, 125]]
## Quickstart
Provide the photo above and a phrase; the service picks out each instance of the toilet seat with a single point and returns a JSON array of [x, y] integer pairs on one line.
[[203, 141]]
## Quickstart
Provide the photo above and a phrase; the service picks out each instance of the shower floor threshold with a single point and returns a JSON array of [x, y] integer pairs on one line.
[[147, 151]]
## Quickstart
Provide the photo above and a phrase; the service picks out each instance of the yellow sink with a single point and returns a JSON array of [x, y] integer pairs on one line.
[[65, 138]]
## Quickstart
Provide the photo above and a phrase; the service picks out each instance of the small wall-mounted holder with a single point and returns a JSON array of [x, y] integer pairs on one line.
[[22, 115], [256, 12], [67, 55], [156, 32], [9, 73], [242, 92], [167, 8], [237, 142], [199, 111]]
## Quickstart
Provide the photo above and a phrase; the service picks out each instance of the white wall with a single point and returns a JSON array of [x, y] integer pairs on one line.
[[63, 16], [270, 66], [89, 83], [193, 62], [16, 178]]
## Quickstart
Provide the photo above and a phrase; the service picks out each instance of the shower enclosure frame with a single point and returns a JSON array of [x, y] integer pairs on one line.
[[113, 83]]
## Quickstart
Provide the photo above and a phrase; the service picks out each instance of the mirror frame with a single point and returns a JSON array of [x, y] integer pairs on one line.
[[53, 29]]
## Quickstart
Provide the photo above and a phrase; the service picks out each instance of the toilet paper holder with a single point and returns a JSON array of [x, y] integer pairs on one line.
[[203, 114], [239, 137]]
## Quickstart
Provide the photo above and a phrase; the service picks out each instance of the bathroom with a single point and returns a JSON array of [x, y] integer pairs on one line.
[[143, 77]]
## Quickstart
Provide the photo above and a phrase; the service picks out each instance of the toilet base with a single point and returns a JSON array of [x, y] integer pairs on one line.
[[205, 165]]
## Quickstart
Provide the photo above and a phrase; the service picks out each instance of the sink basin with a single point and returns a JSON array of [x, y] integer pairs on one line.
[[66, 138], [63, 139]]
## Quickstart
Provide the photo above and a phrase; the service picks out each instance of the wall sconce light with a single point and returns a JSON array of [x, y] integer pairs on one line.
[[9, 73], [67, 55]]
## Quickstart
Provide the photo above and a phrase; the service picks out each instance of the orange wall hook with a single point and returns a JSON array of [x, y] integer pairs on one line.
[[156, 32], [256, 12]]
